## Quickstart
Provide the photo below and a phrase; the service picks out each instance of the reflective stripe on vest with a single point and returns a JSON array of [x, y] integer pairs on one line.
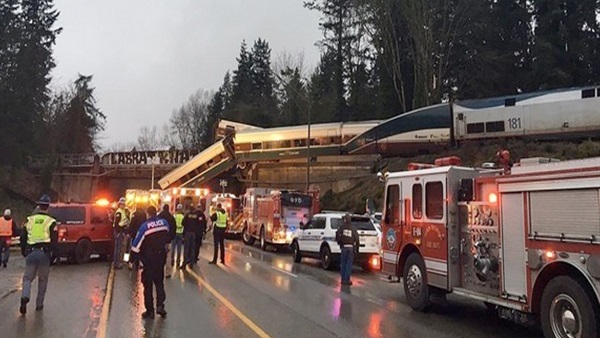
[[124, 220], [179, 223], [5, 227], [221, 219], [38, 229]]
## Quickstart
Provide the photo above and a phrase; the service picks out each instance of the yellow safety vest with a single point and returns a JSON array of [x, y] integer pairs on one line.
[[5, 227], [38, 229], [124, 221], [179, 223], [221, 219]]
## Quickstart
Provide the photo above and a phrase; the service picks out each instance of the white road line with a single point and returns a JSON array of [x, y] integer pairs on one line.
[[283, 271]]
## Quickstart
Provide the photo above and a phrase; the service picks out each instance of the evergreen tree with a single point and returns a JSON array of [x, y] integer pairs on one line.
[[266, 112], [243, 88], [82, 120], [321, 90], [28, 86], [295, 105]]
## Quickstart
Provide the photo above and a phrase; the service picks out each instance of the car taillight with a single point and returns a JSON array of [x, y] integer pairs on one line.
[[374, 261]]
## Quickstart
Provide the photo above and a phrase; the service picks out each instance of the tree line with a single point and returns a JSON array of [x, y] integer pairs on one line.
[[381, 58], [36, 119], [378, 58]]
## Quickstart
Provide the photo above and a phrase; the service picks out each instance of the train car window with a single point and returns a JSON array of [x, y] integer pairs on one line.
[[256, 146], [494, 126], [475, 128], [392, 205], [434, 197], [510, 102], [587, 93], [417, 197]]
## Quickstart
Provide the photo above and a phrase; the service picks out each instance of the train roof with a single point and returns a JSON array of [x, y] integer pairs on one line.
[[545, 96]]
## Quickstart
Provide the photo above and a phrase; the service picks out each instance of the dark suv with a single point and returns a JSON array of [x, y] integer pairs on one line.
[[83, 230]]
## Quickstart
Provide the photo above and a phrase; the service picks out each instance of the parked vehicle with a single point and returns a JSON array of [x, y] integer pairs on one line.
[[83, 230], [316, 239]]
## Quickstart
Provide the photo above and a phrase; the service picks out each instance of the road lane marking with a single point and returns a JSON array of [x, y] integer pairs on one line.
[[283, 271], [230, 306], [101, 333]]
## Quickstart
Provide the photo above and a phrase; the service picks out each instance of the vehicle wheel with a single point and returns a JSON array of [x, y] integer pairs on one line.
[[263, 240], [415, 283], [247, 237], [326, 259], [83, 250], [296, 252], [566, 310]]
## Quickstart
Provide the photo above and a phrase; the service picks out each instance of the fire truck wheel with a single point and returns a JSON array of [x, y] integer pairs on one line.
[[83, 250], [296, 252], [263, 240], [415, 283], [567, 310], [326, 260], [247, 236]]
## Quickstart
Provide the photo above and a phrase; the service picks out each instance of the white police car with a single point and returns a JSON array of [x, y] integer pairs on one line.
[[316, 239]]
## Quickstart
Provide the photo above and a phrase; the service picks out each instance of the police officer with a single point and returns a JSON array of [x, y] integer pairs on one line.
[[120, 224], [347, 237], [219, 219], [38, 240], [150, 244], [191, 226], [8, 229], [167, 216], [177, 244]]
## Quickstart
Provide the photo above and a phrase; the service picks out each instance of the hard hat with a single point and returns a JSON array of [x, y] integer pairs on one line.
[[44, 200], [122, 200], [7, 212], [179, 207]]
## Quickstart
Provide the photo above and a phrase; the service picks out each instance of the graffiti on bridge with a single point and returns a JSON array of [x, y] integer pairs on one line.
[[165, 157]]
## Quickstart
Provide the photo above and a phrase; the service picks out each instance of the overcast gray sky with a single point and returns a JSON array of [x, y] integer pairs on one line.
[[149, 56]]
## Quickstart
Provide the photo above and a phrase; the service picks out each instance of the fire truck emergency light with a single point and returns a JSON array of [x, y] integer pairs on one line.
[[102, 202], [550, 255], [198, 192], [183, 191], [493, 198], [175, 191], [375, 262]]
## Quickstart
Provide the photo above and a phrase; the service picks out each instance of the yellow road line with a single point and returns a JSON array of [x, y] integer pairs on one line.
[[101, 333], [230, 306]]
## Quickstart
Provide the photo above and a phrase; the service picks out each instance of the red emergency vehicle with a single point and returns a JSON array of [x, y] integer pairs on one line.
[[231, 204], [187, 197], [525, 242], [272, 216]]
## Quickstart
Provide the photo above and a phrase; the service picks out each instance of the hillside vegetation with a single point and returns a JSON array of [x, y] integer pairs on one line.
[[472, 154]]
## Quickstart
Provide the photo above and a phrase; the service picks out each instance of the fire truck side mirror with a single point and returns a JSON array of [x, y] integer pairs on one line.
[[465, 191]]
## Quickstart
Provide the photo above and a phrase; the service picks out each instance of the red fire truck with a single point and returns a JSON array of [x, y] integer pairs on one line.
[[272, 216], [525, 242]]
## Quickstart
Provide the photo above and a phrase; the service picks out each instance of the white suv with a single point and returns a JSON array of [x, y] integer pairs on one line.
[[317, 239]]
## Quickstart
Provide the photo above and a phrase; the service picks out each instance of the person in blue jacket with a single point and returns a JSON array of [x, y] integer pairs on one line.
[[150, 244]]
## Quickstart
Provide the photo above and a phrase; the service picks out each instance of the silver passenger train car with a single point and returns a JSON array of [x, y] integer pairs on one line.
[[562, 113]]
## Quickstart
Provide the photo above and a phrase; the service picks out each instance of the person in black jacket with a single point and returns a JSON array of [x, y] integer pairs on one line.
[[150, 243], [200, 231], [347, 237], [192, 225], [167, 216], [138, 217]]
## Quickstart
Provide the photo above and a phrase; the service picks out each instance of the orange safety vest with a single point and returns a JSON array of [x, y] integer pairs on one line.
[[5, 227]]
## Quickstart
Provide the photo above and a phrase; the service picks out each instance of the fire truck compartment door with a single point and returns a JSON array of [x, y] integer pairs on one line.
[[513, 245]]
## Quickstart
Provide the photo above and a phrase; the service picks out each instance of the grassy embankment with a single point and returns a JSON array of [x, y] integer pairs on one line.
[[473, 153]]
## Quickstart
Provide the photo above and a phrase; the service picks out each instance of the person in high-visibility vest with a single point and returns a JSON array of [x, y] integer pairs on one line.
[[219, 219], [178, 241], [38, 239], [120, 224], [8, 229]]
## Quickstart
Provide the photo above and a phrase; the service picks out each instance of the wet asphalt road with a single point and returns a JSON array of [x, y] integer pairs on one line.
[[256, 294]]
